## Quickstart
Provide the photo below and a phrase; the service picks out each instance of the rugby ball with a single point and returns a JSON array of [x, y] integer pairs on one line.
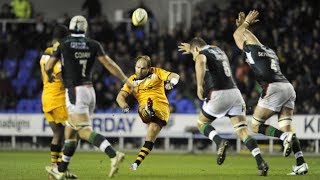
[[139, 17]]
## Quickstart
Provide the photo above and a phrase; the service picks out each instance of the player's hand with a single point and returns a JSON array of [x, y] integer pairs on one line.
[[184, 48], [241, 18], [51, 78], [252, 17], [126, 109], [200, 93], [168, 85]]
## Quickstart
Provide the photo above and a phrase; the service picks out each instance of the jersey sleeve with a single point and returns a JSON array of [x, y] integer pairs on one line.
[[245, 47], [100, 51], [161, 73], [56, 50], [125, 86], [57, 68]]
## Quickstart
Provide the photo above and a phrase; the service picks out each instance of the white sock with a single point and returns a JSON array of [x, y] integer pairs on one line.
[[104, 145], [283, 136], [212, 134], [298, 154], [255, 152]]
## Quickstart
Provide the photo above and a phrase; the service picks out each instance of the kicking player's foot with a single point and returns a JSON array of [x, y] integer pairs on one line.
[[133, 166], [53, 171], [299, 170], [70, 175], [115, 163], [222, 150], [263, 169], [150, 109], [287, 144]]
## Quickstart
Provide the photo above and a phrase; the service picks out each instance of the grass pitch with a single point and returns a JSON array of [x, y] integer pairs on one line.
[[95, 165]]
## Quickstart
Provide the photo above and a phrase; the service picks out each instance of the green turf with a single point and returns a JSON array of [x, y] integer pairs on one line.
[[95, 165]]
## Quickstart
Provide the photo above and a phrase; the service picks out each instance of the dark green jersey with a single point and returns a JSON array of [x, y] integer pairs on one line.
[[264, 64], [78, 54], [218, 73]]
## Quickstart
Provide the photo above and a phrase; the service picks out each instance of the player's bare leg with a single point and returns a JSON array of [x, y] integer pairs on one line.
[[285, 119], [205, 127], [258, 126], [240, 127]]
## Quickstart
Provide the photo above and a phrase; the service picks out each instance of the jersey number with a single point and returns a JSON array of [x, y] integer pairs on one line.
[[83, 62], [226, 68]]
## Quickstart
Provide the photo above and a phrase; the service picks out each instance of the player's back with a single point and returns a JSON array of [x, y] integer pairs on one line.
[[218, 73], [264, 63], [78, 54], [53, 94]]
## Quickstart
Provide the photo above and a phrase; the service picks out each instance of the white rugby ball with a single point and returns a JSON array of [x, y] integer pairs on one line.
[[139, 17]]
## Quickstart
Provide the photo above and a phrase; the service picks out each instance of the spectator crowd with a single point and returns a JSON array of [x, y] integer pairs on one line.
[[291, 29]]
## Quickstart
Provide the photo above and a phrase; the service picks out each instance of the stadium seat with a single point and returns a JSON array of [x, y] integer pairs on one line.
[[10, 66], [31, 54], [185, 105], [32, 86]]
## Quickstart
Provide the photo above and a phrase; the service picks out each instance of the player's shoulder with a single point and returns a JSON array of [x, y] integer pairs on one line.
[[91, 41], [155, 69], [132, 77], [48, 51]]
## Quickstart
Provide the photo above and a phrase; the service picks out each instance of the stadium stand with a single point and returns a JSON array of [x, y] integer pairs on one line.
[[288, 32]]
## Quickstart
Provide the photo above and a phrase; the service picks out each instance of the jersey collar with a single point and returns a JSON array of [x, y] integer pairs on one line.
[[77, 35], [205, 47]]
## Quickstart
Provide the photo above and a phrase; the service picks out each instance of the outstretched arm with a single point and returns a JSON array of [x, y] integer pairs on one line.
[[200, 73], [121, 100], [242, 33], [172, 80]]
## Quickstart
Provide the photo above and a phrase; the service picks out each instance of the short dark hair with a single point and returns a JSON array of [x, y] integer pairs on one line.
[[145, 57], [197, 42], [60, 31]]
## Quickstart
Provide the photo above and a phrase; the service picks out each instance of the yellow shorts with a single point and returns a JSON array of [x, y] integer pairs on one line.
[[162, 115], [57, 115]]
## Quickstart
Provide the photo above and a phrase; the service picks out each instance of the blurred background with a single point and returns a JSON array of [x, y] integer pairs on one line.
[[292, 29]]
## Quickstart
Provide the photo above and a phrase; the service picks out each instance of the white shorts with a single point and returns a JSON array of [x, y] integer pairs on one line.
[[80, 99], [224, 102], [277, 95]]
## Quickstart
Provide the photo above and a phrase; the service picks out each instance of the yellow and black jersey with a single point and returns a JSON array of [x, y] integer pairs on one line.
[[53, 94], [152, 87]]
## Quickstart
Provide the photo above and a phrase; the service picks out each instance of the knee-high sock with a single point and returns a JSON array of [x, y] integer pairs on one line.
[[68, 151], [252, 145], [144, 151], [55, 153], [270, 131], [211, 133], [102, 143], [297, 152]]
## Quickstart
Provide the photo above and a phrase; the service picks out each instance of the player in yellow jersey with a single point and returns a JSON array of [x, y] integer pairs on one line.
[[53, 100], [149, 83]]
